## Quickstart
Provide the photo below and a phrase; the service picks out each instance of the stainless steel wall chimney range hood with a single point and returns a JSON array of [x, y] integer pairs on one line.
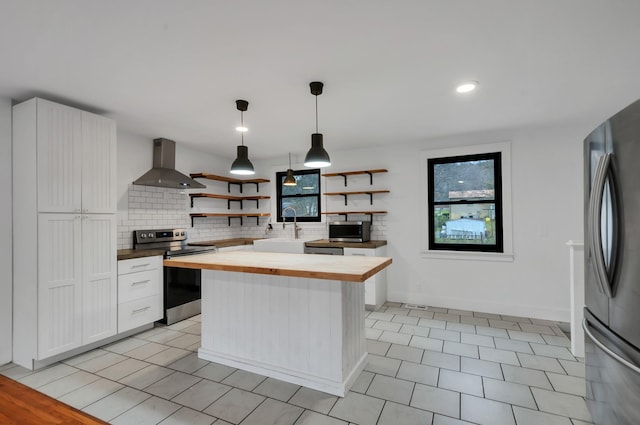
[[163, 173]]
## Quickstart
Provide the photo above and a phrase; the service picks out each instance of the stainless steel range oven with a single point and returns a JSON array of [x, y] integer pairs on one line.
[[181, 286]]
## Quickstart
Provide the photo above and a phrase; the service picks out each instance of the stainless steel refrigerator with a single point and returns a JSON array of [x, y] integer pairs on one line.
[[612, 269]]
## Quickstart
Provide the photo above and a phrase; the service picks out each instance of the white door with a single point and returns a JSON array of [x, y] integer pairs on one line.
[[99, 277], [98, 164], [59, 283], [59, 154]]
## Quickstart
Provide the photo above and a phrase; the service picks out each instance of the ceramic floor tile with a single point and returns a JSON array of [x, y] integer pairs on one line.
[[145, 377], [480, 367], [314, 400], [460, 312], [526, 336], [149, 412], [387, 326], [421, 314], [164, 336], [358, 408], [534, 417], [445, 420], [369, 323], [432, 323], [392, 389], [500, 356], [183, 324], [387, 317], [504, 324], [151, 332], [402, 352], [444, 335], [244, 380], [234, 406], [447, 317], [273, 412], [145, 351], [561, 404], [194, 329], [466, 350], [489, 331], [486, 315], [370, 333], [361, 385], [508, 392], [186, 416], [485, 412], [540, 329], [397, 310], [215, 371], [189, 363], [573, 368], [69, 383], [81, 358], [16, 372], [201, 395], [395, 338], [125, 345], [45, 376], [441, 360], [184, 341], [561, 341], [172, 385], [552, 351], [547, 364], [426, 343], [116, 403], [277, 389], [405, 320], [517, 319], [437, 309], [476, 321], [526, 376], [567, 384], [460, 382], [377, 347], [84, 396], [397, 414], [436, 400], [313, 418], [423, 374], [461, 327], [122, 369], [415, 330], [167, 356], [383, 365], [513, 345]]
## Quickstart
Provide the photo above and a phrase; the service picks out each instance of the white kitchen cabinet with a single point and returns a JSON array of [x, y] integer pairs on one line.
[[139, 292], [64, 245], [375, 288]]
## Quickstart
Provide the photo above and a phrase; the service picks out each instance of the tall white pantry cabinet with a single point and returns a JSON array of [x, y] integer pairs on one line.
[[64, 213]]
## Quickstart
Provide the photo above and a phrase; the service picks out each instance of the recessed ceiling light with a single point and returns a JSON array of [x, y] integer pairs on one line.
[[467, 86]]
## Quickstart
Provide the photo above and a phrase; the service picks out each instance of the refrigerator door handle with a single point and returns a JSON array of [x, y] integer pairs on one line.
[[595, 210], [607, 350]]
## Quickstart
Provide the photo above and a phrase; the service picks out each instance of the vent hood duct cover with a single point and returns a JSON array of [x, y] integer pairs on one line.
[[163, 173]]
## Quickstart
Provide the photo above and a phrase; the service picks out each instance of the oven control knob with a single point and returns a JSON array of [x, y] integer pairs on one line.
[[177, 234], [181, 233], [150, 235], [143, 235]]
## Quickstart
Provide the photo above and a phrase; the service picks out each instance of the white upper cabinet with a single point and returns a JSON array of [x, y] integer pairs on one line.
[[76, 153]]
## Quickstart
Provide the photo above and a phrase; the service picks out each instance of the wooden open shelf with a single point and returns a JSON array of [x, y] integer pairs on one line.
[[230, 180], [228, 198], [347, 213], [353, 173], [230, 216], [364, 192]]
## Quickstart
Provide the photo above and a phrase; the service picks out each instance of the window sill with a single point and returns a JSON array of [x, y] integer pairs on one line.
[[468, 256]]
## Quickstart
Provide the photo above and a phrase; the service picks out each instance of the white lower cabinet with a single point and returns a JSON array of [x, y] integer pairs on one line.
[[375, 288], [139, 292]]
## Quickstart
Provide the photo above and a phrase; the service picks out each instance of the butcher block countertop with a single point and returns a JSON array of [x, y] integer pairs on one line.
[[128, 254], [332, 267], [222, 243], [324, 243]]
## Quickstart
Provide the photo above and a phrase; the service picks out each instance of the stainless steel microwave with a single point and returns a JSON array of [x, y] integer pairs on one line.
[[349, 231]]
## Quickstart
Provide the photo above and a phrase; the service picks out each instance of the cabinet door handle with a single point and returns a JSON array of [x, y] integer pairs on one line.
[[359, 255], [140, 282], [139, 265], [140, 310]]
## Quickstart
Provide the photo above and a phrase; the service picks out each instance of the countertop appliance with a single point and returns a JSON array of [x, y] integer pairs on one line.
[[349, 231], [612, 269], [181, 286]]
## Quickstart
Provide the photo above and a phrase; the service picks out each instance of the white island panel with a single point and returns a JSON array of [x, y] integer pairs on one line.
[[301, 330]]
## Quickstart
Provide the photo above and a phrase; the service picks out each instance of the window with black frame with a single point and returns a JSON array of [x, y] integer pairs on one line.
[[304, 197], [465, 203]]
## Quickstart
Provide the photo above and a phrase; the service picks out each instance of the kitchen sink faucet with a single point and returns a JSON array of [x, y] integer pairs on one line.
[[295, 225]]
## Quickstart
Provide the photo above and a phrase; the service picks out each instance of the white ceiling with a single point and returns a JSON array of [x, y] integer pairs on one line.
[[173, 68]]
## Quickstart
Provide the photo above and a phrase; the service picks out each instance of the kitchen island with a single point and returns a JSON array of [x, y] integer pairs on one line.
[[294, 317]]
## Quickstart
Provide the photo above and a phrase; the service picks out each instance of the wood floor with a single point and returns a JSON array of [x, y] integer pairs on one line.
[[21, 405]]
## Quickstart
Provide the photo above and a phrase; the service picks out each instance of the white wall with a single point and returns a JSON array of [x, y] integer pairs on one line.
[[6, 275], [547, 212]]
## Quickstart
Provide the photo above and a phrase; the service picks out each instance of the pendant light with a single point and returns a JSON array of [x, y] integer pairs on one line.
[[317, 157], [289, 180], [242, 165]]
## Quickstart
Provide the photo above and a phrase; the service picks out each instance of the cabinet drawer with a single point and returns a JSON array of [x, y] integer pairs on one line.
[[139, 264], [367, 252], [138, 285], [139, 312]]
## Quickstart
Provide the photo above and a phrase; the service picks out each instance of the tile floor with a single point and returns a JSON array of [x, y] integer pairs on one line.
[[426, 367]]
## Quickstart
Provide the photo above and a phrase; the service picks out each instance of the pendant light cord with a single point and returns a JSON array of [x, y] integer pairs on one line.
[[316, 113], [242, 125]]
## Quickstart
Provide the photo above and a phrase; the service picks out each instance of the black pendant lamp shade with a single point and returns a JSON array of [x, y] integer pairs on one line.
[[290, 179], [317, 157], [242, 165]]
